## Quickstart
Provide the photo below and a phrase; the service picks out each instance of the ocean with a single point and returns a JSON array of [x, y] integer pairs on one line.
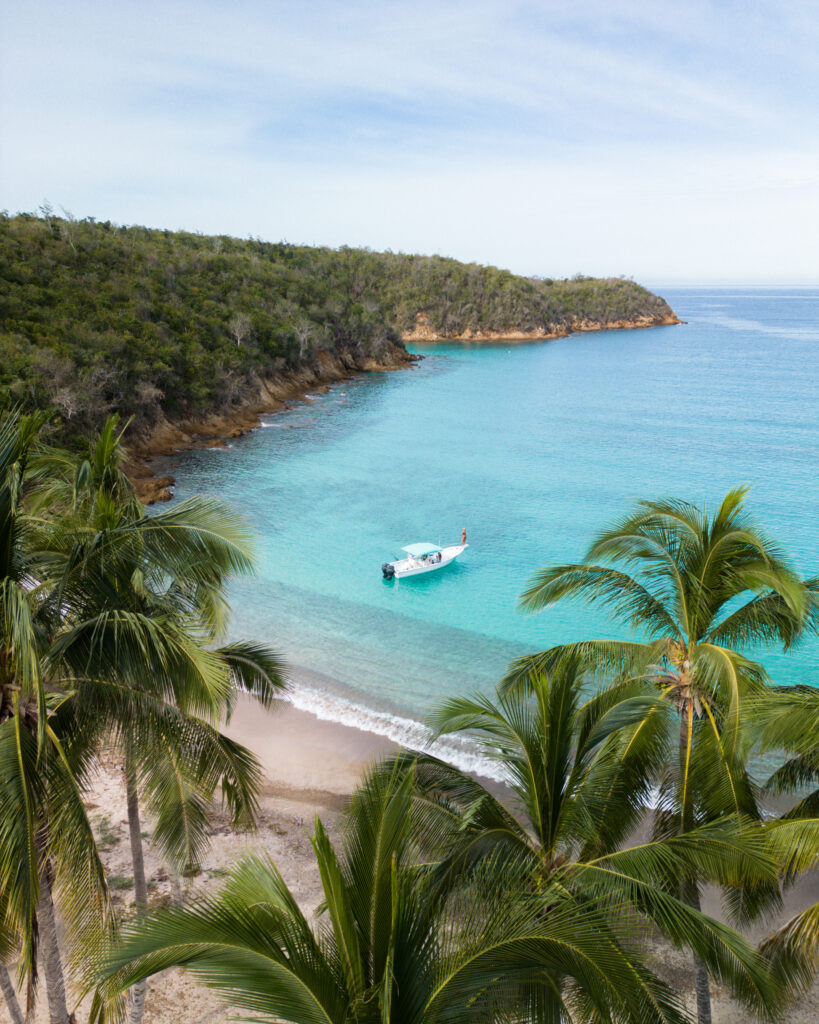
[[533, 448]]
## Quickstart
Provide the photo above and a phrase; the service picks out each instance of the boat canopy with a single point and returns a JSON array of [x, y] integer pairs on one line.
[[419, 550]]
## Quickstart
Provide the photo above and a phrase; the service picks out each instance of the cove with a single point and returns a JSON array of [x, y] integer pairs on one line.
[[533, 448]]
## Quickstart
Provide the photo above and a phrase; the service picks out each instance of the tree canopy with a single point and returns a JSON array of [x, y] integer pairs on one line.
[[97, 318]]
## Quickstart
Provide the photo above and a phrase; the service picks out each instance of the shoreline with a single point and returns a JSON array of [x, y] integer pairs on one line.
[[310, 767], [422, 333], [313, 702], [303, 755], [170, 437]]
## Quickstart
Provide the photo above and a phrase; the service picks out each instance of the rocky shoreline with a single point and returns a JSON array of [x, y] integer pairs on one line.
[[423, 332], [213, 431], [168, 437]]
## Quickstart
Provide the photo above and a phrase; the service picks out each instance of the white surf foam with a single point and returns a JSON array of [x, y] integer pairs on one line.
[[459, 751]]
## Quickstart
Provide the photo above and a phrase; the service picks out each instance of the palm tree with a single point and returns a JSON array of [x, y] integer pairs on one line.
[[48, 853], [145, 604], [790, 723], [47, 848], [108, 615], [393, 945], [581, 779], [695, 586]]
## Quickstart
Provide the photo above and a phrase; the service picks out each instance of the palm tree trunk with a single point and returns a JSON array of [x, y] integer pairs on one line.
[[10, 996], [176, 881], [140, 885], [50, 953], [689, 892], [701, 985]]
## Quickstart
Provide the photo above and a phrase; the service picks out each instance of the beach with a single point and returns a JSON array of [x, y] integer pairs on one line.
[[368, 659], [314, 759], [311, 767]]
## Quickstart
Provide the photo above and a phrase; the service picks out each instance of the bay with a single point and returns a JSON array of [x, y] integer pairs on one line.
[[533, 448]]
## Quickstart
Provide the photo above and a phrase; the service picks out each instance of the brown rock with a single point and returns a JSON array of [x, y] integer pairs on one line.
[[153, 488], [423, 332], [268, 396]]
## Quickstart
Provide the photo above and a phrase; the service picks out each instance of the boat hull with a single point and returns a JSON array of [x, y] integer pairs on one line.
[[405, 567]]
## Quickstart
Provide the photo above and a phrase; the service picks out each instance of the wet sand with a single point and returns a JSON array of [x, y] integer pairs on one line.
[[303, 753]]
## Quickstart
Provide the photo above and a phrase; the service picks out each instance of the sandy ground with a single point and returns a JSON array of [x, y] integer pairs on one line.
[[311, 768]]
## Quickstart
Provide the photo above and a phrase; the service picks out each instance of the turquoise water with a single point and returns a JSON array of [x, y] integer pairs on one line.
[[533, 448]]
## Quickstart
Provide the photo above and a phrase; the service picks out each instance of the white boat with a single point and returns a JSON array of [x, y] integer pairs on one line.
[[421, 558]]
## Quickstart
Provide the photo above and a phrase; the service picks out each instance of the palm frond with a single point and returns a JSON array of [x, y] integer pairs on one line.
[[198, 538], [793, 950], [250, 942], [21, 795], [617, 591], [140, 647], [256, 670], [601, 660], [767, 618]]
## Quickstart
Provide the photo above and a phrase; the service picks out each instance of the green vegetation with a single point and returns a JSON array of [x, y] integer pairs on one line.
[[442, 901], [696, 587], [119, 883], [107, 835], [96, 318], [582, 774], [400, 944], [109, 619]]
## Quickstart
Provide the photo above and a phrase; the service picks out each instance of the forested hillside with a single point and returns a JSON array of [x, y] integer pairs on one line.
[[96, 318]]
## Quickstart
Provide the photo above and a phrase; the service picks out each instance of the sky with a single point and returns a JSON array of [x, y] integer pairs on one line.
[[675, 143]]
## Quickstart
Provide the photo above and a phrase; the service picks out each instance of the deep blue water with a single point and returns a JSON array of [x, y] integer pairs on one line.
[[533, 448]]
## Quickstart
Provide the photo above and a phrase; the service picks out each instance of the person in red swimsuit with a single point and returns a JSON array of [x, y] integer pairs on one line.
[[463, 536]]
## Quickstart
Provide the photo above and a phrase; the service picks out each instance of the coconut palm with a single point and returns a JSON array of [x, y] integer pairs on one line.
[[144, 603], [113, 613], [790, 723], [48, 853], [580, 777], [694, 587], [393, 945], [47, 848]]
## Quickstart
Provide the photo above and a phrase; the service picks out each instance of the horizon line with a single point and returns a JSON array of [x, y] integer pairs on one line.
[[686, 283]]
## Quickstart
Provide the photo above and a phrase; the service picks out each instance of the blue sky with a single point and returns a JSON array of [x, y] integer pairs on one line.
[[672, 142]]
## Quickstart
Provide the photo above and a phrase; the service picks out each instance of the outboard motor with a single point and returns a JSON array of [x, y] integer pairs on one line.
[[389, 570]]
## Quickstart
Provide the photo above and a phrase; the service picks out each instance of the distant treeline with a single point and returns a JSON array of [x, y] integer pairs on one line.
[[97, 318]]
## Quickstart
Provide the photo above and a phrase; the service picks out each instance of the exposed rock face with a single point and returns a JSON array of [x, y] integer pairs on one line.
[[212, 431], [423, 331]]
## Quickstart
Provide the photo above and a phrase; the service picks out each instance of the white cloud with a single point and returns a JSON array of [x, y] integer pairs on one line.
[[674, 141]]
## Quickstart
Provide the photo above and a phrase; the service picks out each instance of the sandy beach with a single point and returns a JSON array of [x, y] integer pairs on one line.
[[306, 755], [311, 767]]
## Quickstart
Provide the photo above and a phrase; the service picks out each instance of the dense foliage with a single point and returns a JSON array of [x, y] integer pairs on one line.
[[108, 621], [96, 318], [442, 902], [701, 587]]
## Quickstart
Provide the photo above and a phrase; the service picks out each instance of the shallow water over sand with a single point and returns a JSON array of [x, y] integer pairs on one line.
[[533, 448]]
